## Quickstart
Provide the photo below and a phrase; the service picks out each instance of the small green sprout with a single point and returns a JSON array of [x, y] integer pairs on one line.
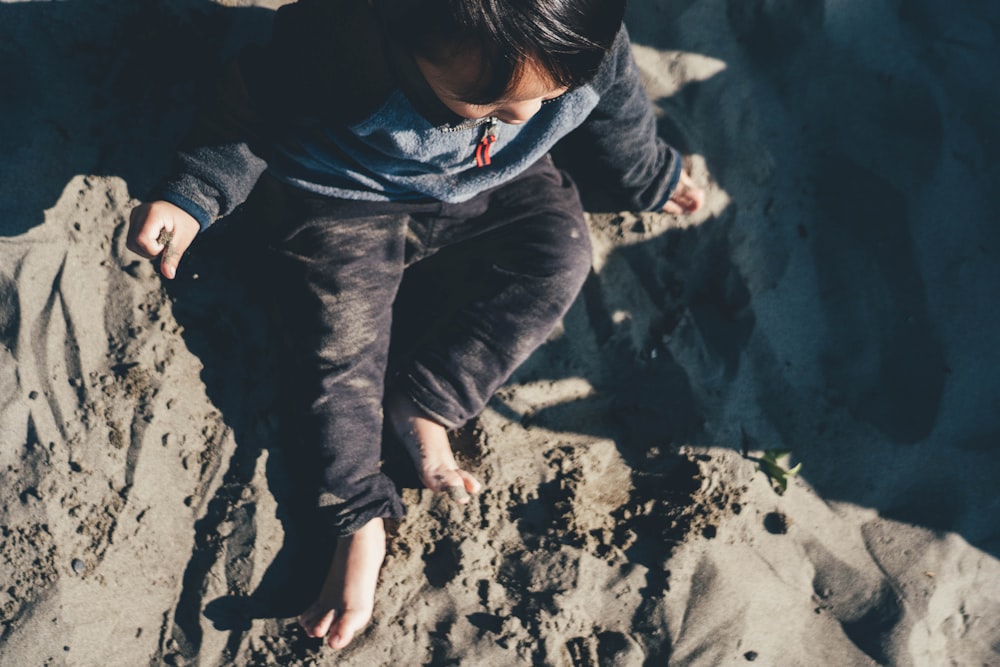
[[775, 471]]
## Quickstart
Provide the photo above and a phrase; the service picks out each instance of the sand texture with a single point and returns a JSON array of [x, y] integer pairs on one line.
[[836, 298]]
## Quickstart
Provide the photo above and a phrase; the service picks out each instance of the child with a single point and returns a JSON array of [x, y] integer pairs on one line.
[[389, 130]]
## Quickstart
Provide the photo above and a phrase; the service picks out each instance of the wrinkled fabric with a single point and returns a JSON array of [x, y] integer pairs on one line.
[[339, 264]]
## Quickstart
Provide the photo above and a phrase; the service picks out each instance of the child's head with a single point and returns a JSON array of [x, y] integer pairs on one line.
[[503, 57]]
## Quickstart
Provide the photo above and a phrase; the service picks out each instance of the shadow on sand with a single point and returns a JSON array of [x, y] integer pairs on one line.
[[140, 67]]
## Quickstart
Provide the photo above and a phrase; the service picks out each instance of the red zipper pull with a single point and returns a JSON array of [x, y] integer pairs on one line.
[[483, 147]]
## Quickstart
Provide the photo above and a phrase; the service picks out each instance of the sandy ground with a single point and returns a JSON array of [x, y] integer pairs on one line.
[[836, 299]]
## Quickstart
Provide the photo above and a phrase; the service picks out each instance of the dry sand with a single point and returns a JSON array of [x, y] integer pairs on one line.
[[837, 299]]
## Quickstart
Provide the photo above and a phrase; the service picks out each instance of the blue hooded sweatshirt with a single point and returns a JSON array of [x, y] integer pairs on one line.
[[330, 106]]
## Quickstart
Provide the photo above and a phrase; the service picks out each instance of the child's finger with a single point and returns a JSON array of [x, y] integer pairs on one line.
[[687, 198], [175, 238], [171, 258], [144, 232], [175, 242]]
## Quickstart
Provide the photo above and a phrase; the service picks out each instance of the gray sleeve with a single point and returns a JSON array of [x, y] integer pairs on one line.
[[619, 143], [211, 181], [223, 155]]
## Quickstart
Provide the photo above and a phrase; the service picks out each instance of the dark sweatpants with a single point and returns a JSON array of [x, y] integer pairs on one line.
[[340, 264]]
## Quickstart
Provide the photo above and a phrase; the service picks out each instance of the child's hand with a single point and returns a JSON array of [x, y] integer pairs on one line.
[[160, 228], [687, 197]]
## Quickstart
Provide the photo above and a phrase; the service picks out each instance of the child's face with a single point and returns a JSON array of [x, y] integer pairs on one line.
[[460, 73]]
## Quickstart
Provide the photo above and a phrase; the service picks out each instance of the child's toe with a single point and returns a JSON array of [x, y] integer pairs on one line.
[[348, 624]]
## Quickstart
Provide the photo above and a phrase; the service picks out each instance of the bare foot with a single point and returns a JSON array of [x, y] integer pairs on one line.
[[427, 442], [687, 197], [346, 602]]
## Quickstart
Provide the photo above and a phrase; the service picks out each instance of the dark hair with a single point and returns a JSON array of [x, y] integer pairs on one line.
[[567, 38]]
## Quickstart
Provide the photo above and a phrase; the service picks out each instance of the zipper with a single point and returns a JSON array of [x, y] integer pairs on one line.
[[485, 142], [469, 124]]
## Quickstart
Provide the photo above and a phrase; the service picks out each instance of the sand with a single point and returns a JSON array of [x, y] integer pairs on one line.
[[836, 299]]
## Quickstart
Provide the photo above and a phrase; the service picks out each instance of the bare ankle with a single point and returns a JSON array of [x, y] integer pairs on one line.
[[422, 436], [429, 447]]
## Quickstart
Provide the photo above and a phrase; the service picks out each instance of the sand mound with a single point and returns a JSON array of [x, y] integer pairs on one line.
[[834, 300]]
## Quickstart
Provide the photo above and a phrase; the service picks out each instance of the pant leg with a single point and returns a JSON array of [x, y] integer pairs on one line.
[[336, 272], [532, 247]]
